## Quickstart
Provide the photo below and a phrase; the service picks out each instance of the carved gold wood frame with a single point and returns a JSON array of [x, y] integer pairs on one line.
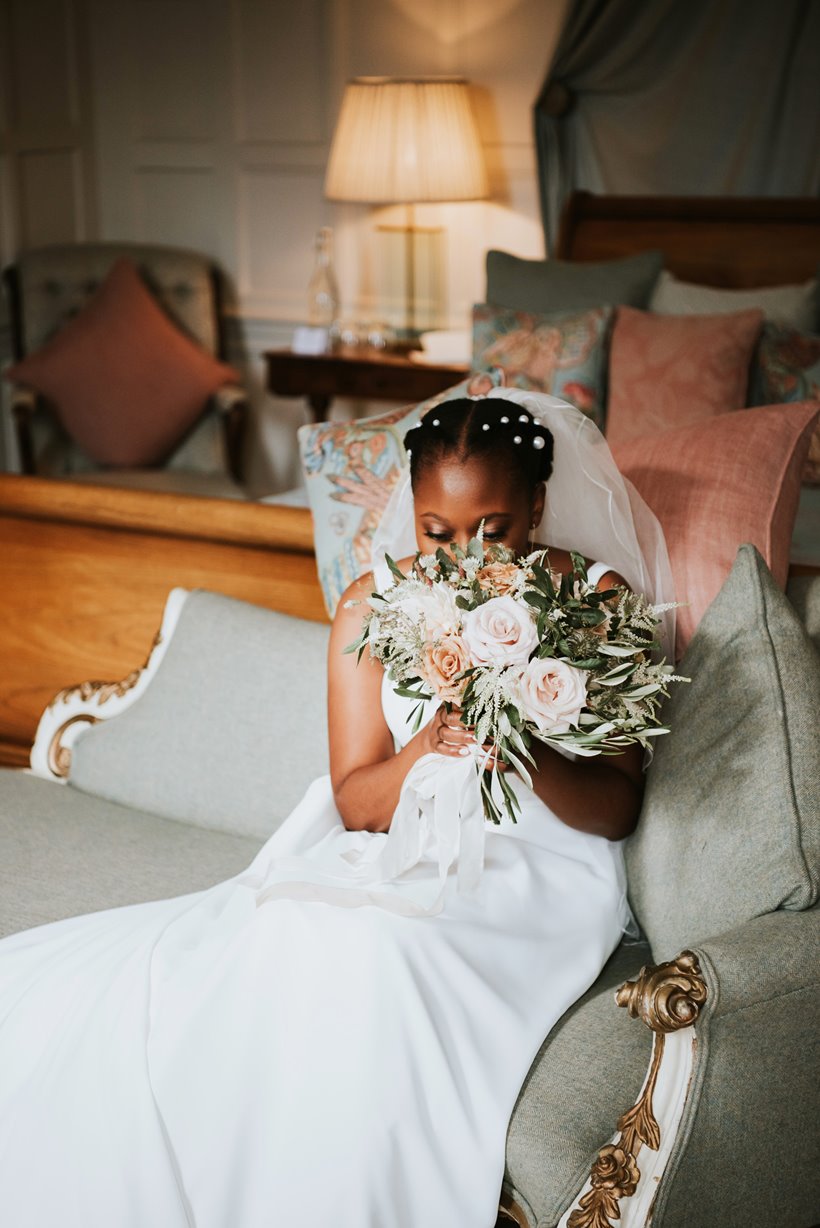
[[98, 693], [667, 998], [74, 708]]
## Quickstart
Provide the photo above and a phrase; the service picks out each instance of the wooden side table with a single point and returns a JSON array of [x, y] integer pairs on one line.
[[367, 374]]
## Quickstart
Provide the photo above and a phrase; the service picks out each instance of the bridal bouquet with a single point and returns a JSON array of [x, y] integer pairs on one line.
[[523, 652]]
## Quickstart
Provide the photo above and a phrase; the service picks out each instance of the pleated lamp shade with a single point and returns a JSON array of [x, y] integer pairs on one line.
[[400, 141]]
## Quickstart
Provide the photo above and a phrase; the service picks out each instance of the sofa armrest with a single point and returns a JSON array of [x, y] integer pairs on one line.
[[231, 404], [760, 961], [73, 709], [228, 397], [746, 1149], [23, 405], [753, 993]]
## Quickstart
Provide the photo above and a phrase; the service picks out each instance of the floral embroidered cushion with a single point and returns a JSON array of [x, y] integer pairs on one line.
[[350, 469], [674, 371], [787, 368], [125, 381], [564, 353]]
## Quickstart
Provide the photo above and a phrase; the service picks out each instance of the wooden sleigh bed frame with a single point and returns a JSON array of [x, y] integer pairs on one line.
[[85, 569]]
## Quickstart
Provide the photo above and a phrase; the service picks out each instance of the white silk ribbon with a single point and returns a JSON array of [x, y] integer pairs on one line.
[[438, 824]]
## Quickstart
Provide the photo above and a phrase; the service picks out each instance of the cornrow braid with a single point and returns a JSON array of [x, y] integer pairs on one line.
[[469, 427]]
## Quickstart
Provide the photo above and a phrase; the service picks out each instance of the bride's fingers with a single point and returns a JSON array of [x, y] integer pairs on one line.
[[452, 738]]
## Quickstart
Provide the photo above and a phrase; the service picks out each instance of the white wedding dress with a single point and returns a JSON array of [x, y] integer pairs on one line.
[[216, 1061]]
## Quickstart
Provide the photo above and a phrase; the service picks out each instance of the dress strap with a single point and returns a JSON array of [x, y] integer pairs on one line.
[[596, 570]]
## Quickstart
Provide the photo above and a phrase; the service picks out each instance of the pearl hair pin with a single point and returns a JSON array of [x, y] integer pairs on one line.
[[436, 422], [523, 418], [505, 419], [485, 426], [517, 439], [538, 441]]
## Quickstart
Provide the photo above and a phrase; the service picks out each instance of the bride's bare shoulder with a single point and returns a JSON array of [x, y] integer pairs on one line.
[[365, 585], [561, 560]]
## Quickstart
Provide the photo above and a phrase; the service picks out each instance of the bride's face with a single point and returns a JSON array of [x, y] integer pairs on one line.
[[452, 498]]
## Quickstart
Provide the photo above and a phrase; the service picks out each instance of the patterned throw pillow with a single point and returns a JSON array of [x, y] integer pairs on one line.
[[125, 381], [715, 484], [674, 371], [564, 353], [787, 368], [350, 469]]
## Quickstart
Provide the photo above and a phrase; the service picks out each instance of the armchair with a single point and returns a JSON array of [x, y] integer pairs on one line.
[[48, 286]]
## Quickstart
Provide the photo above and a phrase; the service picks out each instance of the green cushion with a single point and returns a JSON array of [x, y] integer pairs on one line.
[[566, 285], [231, 730], [730, 826], [804, 594], [63, 853], [587, 1072]]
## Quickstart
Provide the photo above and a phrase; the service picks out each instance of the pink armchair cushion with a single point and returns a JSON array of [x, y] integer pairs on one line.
[[716, 484], [671, 371], [125, 382]]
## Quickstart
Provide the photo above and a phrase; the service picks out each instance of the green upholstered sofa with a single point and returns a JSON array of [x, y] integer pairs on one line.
[[693, 1103]]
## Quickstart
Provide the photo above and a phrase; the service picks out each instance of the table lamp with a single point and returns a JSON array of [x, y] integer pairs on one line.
[[402, 141]]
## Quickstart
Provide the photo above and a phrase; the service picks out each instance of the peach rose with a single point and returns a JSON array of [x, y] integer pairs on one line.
[[443, 661], [551, 694], [499, 632], [500, 576]]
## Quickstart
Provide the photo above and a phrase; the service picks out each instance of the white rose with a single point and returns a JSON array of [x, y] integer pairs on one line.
[[499, 632], [551, 694]]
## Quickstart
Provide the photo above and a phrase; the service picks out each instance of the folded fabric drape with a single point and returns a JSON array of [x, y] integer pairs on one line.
[[716, 96]]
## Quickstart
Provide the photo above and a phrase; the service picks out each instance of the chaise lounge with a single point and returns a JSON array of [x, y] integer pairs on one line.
[[169, 780]]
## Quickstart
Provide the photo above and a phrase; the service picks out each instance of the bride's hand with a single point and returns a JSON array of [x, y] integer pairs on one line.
[[446, 735]]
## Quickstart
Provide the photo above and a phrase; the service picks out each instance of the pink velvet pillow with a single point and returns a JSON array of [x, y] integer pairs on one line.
[[125, 382], [670, 371], [717, 484]]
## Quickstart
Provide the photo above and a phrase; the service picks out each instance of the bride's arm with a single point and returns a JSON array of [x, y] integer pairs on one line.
[[601, 795], [366, 771]]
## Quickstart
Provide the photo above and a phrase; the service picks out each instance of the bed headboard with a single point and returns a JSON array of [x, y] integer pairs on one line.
[[733, 242]]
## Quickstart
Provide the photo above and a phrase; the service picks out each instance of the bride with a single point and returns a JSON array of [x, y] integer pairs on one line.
[[336, 1037]]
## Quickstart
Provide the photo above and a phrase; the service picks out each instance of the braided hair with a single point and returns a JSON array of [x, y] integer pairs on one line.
[[468, 427]]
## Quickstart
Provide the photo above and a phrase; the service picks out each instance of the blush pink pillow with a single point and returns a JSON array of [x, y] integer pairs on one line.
[[670, 371], [717, 484], [125, 381]]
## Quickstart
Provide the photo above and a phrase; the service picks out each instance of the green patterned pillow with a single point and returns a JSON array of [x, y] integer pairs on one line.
[[350, 469], [786, 368], [564, 353]]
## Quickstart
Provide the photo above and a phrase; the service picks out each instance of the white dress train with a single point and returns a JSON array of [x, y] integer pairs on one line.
[[216, 1062]]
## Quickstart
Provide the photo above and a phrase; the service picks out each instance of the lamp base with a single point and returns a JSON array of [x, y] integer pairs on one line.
[[411, 259]]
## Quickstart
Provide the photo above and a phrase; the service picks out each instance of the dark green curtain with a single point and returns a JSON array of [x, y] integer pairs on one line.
[[681, 97]]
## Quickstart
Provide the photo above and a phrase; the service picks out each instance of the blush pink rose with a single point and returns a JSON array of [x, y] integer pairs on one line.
[[500, 576], [499, 632], [551, 694], [443, 661]]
